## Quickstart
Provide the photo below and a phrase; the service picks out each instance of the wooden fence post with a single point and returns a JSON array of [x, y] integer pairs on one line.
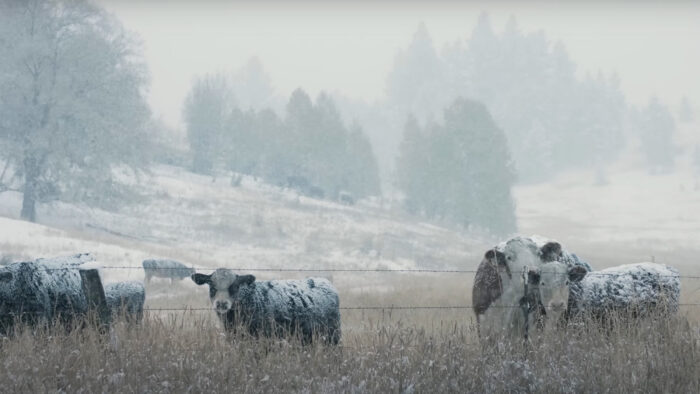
[[95, 295]]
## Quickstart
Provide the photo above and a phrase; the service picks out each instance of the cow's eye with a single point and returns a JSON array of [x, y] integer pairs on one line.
[[212, 291], [567, 282]]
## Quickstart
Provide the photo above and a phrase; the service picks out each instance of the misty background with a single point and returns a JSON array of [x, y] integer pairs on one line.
[[477, 117]]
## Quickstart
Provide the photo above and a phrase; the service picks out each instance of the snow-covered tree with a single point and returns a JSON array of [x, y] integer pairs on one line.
[[656, 128], [311, 142], [686, 114], [459, 171], [415, 84], [208, 107], [552, 119], [253, 87], [72, 106]]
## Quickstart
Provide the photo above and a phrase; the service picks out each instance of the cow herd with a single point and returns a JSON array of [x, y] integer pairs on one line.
[[528, 283], [522, 286]]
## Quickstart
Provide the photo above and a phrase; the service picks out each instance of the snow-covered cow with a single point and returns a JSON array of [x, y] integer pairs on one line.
[[634, 289], [277, 307], [46, 290], [522, 281], [170, 269], [126, 298]]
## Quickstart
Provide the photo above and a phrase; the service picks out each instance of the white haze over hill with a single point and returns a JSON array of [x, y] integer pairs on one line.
[[349, 47], [619, 184]]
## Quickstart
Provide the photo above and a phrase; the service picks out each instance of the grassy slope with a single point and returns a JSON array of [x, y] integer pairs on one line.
[[205, 223]]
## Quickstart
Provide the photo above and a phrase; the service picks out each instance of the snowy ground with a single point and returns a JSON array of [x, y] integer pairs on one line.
[[634, 217], [211, 224]]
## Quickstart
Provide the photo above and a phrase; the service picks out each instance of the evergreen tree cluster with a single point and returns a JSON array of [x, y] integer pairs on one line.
[[552, 119], [459, 170], [309, 147]]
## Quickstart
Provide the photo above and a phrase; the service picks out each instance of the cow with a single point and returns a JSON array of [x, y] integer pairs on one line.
[[126, 298], [165, 269], [636, 290], [522, 281], [276, 307], [46, 291]]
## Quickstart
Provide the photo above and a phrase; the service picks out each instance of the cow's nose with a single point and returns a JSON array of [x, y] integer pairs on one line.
[[221, 305]]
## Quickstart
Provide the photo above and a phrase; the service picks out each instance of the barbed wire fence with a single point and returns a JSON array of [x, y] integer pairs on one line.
[[368, 270], [386, 270]]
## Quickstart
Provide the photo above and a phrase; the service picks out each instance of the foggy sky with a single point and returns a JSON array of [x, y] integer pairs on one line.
[[350, 46]]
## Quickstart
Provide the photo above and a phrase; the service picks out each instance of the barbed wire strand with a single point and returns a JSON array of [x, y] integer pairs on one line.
[[383, 270], [397, 307]]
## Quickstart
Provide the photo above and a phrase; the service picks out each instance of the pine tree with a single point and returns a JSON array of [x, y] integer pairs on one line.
[[459, 171], [410, 167], [656, 134], [685, 114], [208, 107]]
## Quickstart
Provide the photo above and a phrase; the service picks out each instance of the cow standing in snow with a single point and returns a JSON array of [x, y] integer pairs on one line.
[[52, 290], [126, 298], [275, 308], [634, 289], [170, 269], [520, 282]]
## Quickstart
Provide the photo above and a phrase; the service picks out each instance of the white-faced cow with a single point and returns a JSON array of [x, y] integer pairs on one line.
[[522, 281], [277, 307]]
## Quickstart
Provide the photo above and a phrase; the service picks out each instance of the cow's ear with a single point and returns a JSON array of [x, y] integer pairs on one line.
[[551, 251], [533, 277], [246, 279], [201, 279], [496, 257], [576, 273]]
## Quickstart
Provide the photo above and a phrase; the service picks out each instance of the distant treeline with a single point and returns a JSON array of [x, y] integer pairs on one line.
[[552, 119], [309, 149], [454, 132]]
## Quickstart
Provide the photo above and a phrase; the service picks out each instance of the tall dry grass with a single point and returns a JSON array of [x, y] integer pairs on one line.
[[188, 352], [381, 350]]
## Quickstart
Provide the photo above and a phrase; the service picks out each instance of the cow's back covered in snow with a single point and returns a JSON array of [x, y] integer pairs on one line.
[[276, 307], [638, 289], [44, 289], [126, 298], [47, 290], [169, 269]]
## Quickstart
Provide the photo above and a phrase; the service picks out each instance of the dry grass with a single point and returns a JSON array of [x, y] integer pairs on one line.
[[381, 351], [187, 352]]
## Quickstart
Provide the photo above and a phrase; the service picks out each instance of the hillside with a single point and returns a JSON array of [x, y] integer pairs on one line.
[[208, 223]]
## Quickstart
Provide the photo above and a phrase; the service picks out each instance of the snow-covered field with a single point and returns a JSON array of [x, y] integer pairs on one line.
[[207, 223]]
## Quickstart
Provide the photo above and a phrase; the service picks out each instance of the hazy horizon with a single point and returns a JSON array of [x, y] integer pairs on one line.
[[350, 47]]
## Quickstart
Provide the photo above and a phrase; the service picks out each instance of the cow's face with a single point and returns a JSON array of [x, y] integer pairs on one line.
[[223, 287], [552, 281], [521, 252]]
